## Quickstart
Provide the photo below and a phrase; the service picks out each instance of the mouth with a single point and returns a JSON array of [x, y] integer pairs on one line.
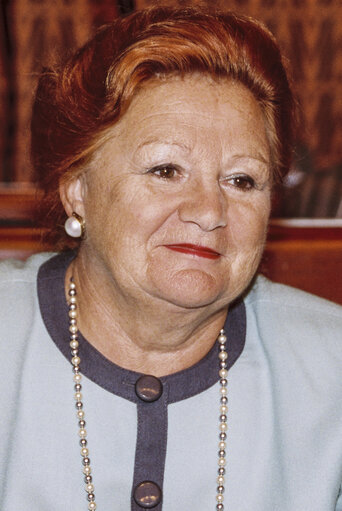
[[197, 250]]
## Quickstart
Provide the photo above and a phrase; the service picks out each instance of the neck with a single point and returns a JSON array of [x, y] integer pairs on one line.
[[150, 337]]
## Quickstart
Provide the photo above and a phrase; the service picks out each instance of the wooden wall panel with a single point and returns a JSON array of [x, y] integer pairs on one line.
[[312, 265], [309, 258]]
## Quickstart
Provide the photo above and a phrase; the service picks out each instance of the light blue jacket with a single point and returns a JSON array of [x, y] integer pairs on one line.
[[284, 441]]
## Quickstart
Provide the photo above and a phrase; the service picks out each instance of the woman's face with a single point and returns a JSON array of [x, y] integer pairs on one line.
[[177, 200]]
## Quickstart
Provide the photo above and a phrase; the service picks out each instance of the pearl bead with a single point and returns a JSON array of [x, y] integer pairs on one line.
[[89, 488], [223, 373], [87, 470], [73, 227], [82, 433], [220, 480], [92, 506], [84, 451], [77, 378], [74, 344], [223, 391], [220, 497], [80, 414], [223, 426], [78, 396], [222, 462], [223, 355], [222, 445], [75, 361], [224, 409]]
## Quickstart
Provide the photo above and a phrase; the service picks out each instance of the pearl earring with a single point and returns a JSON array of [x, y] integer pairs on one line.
[[75, 226]]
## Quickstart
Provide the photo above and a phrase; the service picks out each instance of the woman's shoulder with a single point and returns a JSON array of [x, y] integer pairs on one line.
[[15, 270], [287, 298], [296, 324], [18, 293], [19, 310]]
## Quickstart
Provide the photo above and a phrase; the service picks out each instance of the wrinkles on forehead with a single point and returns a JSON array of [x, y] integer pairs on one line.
[[178, 115]]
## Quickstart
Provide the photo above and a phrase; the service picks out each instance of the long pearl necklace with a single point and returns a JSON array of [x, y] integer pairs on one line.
[[75, 360]]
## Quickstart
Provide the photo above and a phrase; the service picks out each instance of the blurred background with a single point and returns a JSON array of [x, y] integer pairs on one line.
[[34, 32], [304, 246]]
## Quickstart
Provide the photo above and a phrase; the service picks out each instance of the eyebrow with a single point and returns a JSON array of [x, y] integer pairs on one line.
[[258, 157]]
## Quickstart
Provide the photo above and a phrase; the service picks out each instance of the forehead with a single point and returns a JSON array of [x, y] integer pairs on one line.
[[191, 109]]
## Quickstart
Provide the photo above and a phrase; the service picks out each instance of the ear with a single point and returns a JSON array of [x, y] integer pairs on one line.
[[72, 194]]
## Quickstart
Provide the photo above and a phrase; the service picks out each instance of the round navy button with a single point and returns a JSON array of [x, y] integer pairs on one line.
[[148, 388], [147, 494]]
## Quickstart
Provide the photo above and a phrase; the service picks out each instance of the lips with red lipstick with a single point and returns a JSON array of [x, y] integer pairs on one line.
[[197, 250]]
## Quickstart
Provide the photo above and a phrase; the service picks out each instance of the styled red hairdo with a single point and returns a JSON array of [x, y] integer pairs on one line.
[[76, 104]]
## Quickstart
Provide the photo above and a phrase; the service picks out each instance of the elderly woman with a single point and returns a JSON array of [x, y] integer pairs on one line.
[[163, 137]]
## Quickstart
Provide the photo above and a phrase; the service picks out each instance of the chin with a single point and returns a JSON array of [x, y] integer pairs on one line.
[[189, 288]]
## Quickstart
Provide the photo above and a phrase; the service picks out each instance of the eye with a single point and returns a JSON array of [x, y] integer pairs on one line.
[[164, 171], [242, 181]]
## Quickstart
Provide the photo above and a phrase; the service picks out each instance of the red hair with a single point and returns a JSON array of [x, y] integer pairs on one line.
[[76, 104]]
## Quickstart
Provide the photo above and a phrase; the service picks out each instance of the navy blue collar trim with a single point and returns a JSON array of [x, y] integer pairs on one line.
[[115, 379]]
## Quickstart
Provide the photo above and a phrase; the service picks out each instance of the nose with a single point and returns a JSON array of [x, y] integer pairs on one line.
[[204, 205]]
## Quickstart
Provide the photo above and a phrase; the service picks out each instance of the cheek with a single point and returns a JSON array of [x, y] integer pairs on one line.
[[247, 234], [123, 219], [107, 205], [248, 225]]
